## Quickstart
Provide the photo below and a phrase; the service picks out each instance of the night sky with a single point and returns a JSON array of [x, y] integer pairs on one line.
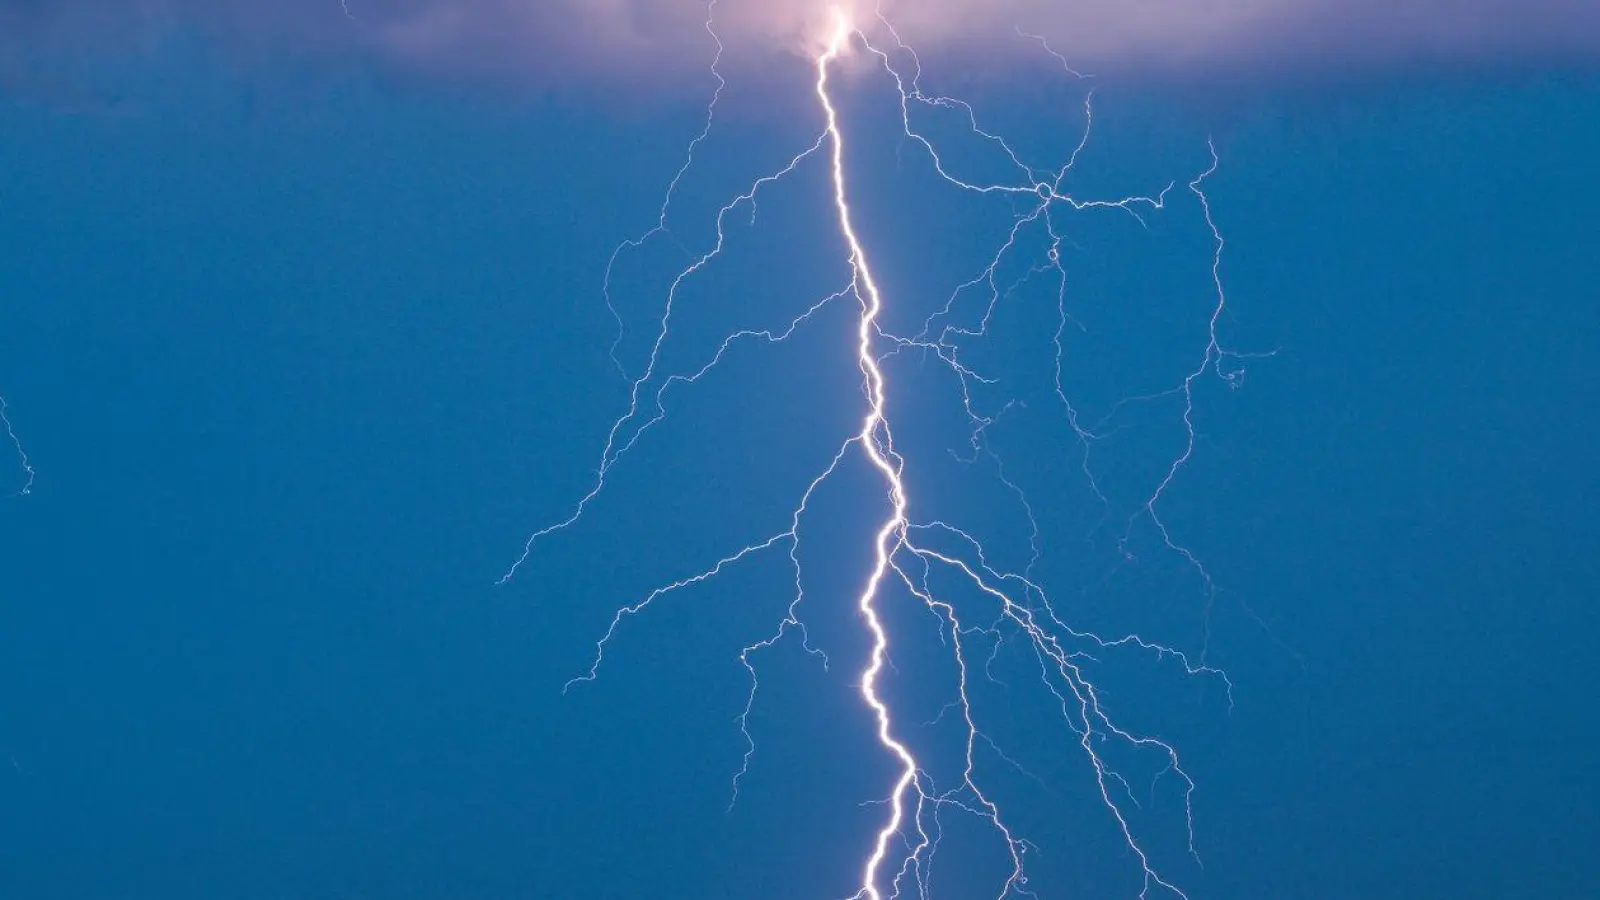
[[302, 353]]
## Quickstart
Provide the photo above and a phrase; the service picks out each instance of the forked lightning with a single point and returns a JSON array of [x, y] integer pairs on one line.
[[899, 861]]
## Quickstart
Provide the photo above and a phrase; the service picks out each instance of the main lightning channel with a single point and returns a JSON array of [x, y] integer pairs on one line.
[[873, 429]]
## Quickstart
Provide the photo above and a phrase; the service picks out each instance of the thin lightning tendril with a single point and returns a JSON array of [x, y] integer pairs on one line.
[[1014, 606], [22, 453], [660, 227]]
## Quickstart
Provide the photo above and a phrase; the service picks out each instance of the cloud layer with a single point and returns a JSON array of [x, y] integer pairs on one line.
[[577, 41]]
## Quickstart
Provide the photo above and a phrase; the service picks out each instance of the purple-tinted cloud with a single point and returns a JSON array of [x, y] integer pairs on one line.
[[644, 41]]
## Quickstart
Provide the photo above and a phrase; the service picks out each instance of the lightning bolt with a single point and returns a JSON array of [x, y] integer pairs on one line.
[[876, 438], [998, 607], [22, 454]]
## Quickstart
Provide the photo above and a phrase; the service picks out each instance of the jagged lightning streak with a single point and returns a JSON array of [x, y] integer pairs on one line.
[[878, 442], [906, 843], [22, 453]]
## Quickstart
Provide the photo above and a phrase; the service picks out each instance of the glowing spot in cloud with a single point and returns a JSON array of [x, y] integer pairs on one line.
[[650, 42]]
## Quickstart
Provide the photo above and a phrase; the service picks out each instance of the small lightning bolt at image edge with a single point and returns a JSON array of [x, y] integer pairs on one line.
[[22, 453], [908, 551]]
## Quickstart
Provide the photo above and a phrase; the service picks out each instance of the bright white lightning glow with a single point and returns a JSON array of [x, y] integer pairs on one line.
[[901, 857], [876, 438]]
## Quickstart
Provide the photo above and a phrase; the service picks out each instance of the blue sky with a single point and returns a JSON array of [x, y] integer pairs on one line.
[[301, 356]]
